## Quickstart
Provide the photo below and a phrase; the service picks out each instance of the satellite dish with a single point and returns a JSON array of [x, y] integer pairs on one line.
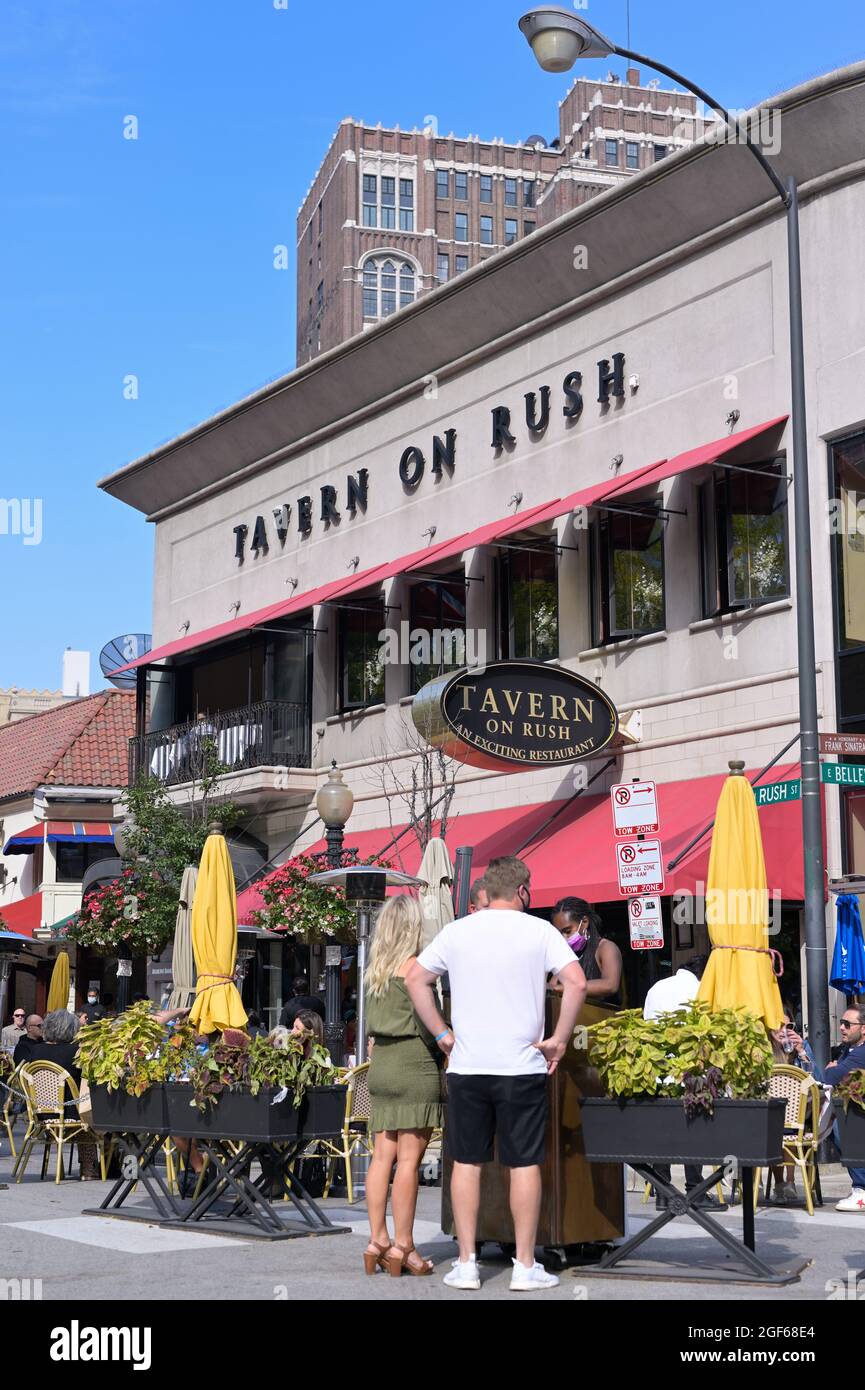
[[119, 652], [536, 142]]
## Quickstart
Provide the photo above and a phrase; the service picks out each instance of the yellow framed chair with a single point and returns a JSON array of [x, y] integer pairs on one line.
[[355, 1128], [804, 1100], [48, 1088]]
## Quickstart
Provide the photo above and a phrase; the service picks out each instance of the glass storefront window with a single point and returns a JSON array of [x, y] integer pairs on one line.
[[847, 514], [360, 656], [438, 609], [743, 521], [529, 602]]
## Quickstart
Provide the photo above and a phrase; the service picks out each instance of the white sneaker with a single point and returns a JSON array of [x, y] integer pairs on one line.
[[464, 1274], [527, 1278], [855, 1202]]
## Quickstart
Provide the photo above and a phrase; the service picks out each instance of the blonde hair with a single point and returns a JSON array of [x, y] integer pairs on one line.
[[398, 932]]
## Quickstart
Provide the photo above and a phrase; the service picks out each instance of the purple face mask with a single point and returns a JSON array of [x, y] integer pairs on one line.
[[577, 942]]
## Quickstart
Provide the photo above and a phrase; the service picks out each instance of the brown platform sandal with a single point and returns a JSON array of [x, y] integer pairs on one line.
[[402, 1265], [374, 1257]]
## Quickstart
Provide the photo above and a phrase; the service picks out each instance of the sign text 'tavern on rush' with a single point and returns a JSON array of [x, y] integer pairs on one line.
[[515, 713]]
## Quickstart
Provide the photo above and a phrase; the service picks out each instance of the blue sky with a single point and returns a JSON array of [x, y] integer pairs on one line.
[[154, 257]]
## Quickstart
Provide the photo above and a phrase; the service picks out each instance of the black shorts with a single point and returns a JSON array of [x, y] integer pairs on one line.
[[510, 1109]]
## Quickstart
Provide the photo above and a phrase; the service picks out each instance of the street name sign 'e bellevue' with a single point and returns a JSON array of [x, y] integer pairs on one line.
[[843, 774]]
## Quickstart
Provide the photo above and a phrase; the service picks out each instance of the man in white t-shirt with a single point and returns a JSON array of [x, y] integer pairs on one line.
[[497, 961]]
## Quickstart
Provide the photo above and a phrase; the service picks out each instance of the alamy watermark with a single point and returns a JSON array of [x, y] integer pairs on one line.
[[22, 516], [715, 907], [442, 648]]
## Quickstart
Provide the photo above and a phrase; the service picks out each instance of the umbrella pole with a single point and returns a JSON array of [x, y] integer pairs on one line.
[[5, 968]]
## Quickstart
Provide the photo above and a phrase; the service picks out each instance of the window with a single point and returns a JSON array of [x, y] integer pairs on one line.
[[461, 263], [319, 297], [73, 860], [388, 283], [320, 217], [848, 525], [444, 267], [528, 228], [461, 187], [388, 202], [633, 154], [486, 231], [370, 200], [743, 529], [461, 226], [438, 609], [443, 180], [360, 654], [406, 205], [627, 575], [611, 148], [510, 193], [511, 230], [528, 193], [486, 188], [660, 152], [529, 602]]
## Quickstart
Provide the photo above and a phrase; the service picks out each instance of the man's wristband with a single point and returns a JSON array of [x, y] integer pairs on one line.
[[442, 1035]]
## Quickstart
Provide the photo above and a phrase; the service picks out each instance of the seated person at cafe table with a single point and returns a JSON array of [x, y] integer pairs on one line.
[[300, 999], [600, 958], [24, 1047], [851, 1057]]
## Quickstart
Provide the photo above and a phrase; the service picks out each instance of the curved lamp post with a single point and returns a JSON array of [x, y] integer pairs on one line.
[[558, 39], [334, 803]]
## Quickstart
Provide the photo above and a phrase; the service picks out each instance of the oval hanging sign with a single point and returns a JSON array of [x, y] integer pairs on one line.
[[515, 713]]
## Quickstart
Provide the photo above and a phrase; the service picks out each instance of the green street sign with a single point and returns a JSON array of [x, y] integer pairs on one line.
[[843, 774], [777, 792]]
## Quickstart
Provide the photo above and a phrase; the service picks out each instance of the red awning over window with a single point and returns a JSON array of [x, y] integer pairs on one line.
[[24, 916], [695, 458], [575, 852], [62, 832]]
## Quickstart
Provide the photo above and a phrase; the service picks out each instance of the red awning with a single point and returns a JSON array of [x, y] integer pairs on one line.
[[694, 458], [63, 832], [574, 854], [24, 915]]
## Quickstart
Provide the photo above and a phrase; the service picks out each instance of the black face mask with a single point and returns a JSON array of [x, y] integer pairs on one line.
[[525, 894]]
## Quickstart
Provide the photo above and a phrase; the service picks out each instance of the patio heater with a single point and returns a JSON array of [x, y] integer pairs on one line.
[[365, 889]]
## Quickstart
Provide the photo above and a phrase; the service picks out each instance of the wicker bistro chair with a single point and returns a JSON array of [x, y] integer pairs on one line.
[[804, 1100], [10, 1108], [355, 1129], [50, 1120]]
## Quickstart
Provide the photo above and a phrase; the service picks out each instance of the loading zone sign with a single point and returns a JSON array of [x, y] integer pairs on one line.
[[635, 808], [641, 868], [646, 926]]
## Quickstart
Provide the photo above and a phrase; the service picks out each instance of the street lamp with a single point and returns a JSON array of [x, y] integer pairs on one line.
[[334, 803], [558, 38]]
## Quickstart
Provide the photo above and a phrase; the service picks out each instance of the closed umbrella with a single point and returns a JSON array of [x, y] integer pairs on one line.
[[848, 962], [436, 902], [58, 990], [214, 941], [182, 959], [740, 972]]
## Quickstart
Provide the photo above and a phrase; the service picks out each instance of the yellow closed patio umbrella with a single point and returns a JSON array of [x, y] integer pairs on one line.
[[740, 973], [214, 940], [58, 990]]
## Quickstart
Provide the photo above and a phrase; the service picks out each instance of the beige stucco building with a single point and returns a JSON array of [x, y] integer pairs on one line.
[[295, 526]]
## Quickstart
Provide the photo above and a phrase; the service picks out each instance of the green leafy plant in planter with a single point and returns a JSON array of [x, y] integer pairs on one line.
[[850, 1090], [134, 1051], [235, 1062], [694, 1054]]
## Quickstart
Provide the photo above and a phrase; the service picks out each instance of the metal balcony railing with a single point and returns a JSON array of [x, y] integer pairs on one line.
[[272, 733]]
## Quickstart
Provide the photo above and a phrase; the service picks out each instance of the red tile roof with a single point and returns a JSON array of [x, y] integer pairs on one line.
[[82, 743]]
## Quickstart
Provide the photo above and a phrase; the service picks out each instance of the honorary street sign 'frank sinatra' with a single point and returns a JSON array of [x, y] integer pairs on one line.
[[508, 713]]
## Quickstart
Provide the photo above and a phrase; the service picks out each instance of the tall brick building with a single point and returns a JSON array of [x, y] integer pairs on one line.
[[393, 214]]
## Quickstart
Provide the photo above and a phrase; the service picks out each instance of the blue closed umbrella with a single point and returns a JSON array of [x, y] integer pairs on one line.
[[848, 962]]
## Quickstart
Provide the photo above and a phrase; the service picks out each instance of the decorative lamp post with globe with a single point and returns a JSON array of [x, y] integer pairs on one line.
[[334, 804]]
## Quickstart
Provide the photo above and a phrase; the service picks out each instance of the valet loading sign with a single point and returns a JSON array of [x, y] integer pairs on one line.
[[639, 862]]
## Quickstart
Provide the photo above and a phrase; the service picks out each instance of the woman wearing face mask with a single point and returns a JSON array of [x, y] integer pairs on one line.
[[600, 958]]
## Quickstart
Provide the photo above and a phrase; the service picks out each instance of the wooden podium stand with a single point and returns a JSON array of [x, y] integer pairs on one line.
[[582, 1201]]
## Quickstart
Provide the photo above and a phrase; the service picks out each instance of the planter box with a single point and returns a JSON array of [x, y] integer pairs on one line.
[[241, 1115], [851, 1135], [655, 1129], [118, 1113]]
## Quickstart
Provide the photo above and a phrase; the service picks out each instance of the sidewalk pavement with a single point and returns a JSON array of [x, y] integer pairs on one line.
[[43, 1236]]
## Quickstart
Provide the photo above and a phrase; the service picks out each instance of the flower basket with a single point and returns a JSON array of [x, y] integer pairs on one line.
[[134, 915], [655, 1129]]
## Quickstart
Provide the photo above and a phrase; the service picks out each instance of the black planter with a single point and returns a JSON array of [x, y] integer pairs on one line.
[[656, 1130], [851, 1135], [117, 1112], [241, 1115]]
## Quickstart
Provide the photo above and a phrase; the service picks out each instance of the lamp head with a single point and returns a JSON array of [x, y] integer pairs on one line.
[[335, 799], [558, 38]]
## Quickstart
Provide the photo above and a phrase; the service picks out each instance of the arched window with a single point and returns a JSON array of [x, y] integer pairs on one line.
[[388, 284]]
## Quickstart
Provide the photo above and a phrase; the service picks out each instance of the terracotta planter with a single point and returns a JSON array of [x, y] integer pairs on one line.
[[656, 1130]]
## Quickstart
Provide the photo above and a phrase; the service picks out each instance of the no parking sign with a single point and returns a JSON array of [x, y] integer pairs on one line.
[[645, 923]]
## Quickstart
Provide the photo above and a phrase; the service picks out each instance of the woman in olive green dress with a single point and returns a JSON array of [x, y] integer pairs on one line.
[[404, 1087]]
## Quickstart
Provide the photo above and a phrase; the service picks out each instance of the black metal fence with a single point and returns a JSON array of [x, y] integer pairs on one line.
[[272, 733]]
